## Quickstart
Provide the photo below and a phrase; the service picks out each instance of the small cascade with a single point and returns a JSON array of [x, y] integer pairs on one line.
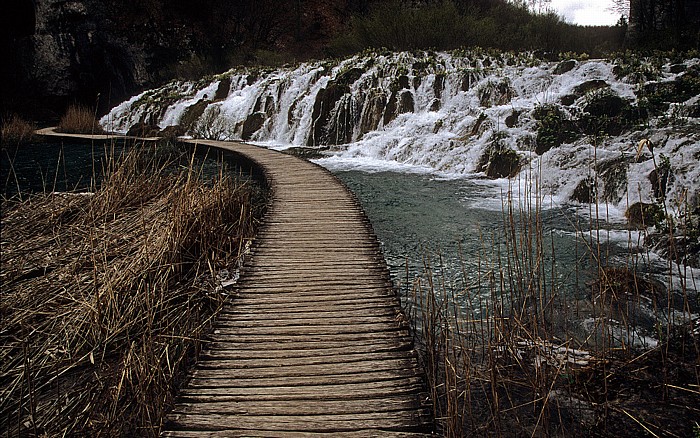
[[575, 126]]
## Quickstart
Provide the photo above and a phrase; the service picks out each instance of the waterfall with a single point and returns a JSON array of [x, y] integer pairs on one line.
[[575, 125]]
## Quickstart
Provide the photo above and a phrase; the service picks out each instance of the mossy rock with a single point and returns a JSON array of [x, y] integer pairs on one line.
[[589, 86], [349, 76], [642, 215], [605, 104], [568, 99], [553, 128], [499, 162]]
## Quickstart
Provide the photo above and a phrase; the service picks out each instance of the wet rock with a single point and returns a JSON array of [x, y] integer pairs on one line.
[[435, 105], [438, 85], [373, 111], [417, 80], [403, 82], [406, 102], [678, 68], [192, 114], [565, 66], [512, 119], [588, 86], [252, 124], [642, 215], [399, 103], [584, 191], [307, 152], [141, 129], [326, 100], [223, 89], [568, 99]]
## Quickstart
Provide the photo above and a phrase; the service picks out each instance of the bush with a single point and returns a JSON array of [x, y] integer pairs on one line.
[[79, 120]]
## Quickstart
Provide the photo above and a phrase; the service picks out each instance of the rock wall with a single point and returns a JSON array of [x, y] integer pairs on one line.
[[63, 51]]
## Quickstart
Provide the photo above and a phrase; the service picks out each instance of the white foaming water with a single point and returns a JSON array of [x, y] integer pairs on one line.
[[441, 113]]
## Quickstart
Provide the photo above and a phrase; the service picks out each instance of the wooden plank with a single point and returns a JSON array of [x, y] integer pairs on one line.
[[401, 420], [312, 341], [365, 433]]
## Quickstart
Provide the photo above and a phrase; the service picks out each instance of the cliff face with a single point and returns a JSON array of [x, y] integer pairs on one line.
[[97, 52], [62, 51]]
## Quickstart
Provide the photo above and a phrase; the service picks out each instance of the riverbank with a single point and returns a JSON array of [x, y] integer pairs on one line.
[[107, 294]]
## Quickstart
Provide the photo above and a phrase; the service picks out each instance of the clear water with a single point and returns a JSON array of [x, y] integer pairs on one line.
[[75, 166]]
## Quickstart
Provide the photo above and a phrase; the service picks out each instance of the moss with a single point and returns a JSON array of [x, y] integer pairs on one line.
[[553, 128]]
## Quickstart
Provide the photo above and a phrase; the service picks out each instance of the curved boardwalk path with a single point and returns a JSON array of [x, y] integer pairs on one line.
[[313, 343]]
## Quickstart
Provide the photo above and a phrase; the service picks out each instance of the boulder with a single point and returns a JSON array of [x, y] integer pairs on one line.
[[223, 89], [252, 124], [373, 110], [565, 66]]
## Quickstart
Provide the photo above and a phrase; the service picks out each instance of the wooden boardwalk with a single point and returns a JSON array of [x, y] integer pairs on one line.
[[313, 343]]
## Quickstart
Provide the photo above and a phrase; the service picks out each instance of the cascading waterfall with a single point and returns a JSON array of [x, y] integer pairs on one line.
[[574, 126]]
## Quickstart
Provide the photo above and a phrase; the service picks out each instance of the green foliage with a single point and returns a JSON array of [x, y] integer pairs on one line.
[[553, 128], [450, 24]]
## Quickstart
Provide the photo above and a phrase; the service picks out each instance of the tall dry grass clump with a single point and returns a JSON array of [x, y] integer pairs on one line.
[[79, 119], [106, 296], [15, 130], [521, 349]]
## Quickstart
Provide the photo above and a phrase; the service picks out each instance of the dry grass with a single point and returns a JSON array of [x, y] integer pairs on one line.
[[79, 120], [506, 355], [107, 295], [16, 130]]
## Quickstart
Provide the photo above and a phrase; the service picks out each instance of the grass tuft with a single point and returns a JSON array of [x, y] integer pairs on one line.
[[79, 120], [16, 130]]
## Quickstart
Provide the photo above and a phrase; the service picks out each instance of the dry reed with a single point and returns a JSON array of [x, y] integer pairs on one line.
[[106, 296], [79, 120], [506, 355], [15, 130]]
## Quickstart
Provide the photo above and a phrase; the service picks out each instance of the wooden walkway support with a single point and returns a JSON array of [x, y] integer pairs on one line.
[[313, 342]]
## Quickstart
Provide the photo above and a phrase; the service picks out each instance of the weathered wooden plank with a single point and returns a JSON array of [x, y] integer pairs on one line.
[[312, 341], [293, 408], [302, 348], [222, 382], [224, 363], [351, 391], [365, 433], [400, 420]]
